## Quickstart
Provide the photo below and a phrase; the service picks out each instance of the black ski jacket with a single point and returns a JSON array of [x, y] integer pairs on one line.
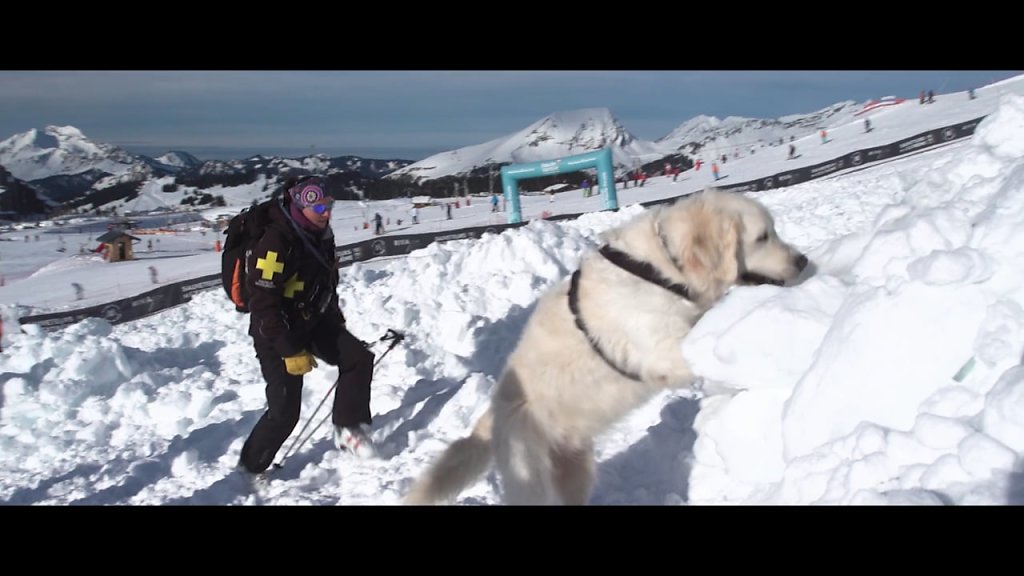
[[291, 290]]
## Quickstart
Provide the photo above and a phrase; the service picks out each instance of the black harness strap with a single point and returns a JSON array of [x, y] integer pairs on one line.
[[643, 270], [574, 306]]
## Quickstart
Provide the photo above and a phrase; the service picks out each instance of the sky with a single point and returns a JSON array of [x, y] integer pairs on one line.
[[890, 374], [413, 114]]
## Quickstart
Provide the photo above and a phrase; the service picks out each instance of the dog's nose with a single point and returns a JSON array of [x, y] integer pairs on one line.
[[801, 262]]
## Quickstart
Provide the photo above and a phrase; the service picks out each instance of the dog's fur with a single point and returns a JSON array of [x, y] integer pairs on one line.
[[557, 393]]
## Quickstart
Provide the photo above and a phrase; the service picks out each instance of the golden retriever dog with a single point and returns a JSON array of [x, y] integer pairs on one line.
[[606, 340]]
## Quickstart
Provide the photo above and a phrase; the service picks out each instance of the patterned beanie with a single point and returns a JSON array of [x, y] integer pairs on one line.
[[308, 192]]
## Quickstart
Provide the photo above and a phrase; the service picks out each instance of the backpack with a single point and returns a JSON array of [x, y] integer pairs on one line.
[[243, 231]]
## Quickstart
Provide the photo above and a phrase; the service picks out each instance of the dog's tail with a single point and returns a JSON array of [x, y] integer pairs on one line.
[[462, 463]]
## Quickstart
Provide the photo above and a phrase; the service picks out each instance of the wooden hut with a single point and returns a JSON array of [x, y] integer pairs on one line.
[[118, 245]]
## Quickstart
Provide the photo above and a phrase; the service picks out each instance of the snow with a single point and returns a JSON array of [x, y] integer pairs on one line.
[[891, 375]]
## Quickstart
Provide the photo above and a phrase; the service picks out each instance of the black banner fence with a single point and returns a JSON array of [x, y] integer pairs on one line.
[[135, 307], [131, 308], [859, 158]]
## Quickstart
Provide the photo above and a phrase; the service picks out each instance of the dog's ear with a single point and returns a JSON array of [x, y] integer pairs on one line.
[[711, 255]]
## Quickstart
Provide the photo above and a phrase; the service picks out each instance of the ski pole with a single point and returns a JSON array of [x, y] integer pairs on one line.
[[395, 337]]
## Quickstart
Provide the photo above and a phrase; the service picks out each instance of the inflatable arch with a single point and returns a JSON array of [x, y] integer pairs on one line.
[[600, 159]]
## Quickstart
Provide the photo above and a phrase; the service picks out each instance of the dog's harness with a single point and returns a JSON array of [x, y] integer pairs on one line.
[[643, 270], [574, 306], [640, 269]]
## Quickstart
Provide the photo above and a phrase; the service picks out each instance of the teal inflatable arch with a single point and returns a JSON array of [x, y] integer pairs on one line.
[[600, 159]]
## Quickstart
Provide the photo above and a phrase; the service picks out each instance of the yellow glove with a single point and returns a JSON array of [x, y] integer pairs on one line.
[[300, 363]]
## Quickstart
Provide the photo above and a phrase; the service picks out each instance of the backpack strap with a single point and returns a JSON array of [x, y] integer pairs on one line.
[[303, 235]]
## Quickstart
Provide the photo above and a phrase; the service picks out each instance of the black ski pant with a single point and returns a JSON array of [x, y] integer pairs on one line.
[[334, 345]]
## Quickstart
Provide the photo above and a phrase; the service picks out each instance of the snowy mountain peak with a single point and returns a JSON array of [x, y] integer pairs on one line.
[[65, 132], [179, 159], [57, 150], [554, 136], [588, 129], [703, 133]]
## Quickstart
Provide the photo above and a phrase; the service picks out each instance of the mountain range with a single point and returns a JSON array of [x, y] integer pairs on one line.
[[67, 171], [577, 131]]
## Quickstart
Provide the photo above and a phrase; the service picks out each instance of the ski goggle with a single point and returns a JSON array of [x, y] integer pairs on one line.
[[326, 206]]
